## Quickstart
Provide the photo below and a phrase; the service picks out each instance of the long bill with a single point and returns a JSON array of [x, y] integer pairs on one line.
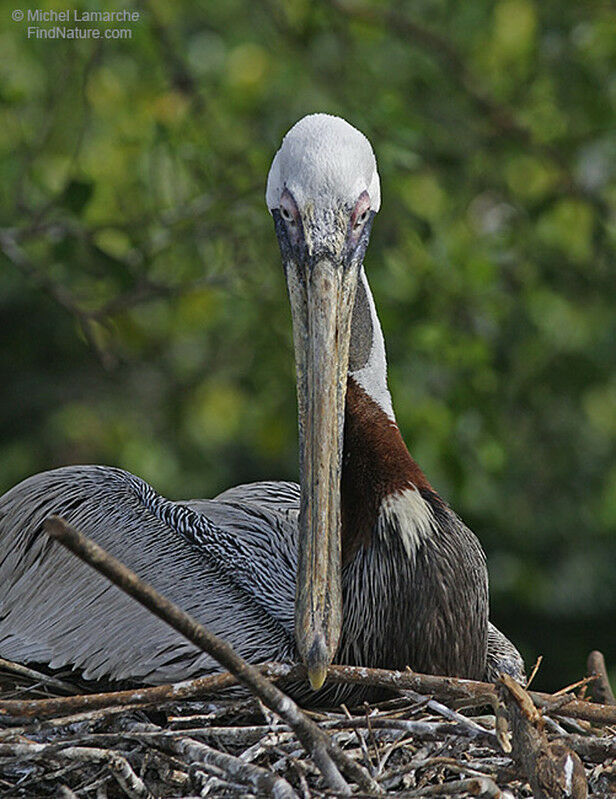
[[322, 297]]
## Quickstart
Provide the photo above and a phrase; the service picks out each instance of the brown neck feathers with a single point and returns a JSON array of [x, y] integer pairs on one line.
[[376, 464]]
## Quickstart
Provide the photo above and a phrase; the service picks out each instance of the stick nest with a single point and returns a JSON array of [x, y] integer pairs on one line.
[[137, 744]]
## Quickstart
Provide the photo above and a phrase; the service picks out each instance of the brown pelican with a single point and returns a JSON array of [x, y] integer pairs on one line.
[[387, 574]]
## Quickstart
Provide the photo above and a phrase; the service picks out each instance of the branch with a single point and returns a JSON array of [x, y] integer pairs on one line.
[[265, 782], [37, 676], [447, 689], [18, 258], [327, 756], [180, 76], [600, 687], [453, 689], [552, 769], [132, 785], [136, 697]]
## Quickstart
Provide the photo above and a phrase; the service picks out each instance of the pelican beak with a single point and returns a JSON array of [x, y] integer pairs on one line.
[[321, 324], [321, 281]]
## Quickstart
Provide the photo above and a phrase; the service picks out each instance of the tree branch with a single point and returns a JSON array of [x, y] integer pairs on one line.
[[328, 757]]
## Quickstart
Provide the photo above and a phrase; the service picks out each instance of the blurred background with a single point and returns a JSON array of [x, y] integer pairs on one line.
[[143, 315]]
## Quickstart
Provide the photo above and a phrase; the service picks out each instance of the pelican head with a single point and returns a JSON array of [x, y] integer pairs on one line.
[[322, 191]]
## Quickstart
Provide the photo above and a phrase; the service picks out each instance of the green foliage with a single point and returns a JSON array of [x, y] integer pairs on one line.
[[144, 318]]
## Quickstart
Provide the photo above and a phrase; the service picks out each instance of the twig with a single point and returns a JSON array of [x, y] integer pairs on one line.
[[328, 757], [373, 740], [264, 781], [578, 684], [130, 783], [593, 748], [426, 730], [91, 717], [534, 671], [24, 671], [456, 689], [476, 786], [229, 736], [360, 739], [600, 688], [552, 769], [464, 767], [436, 707], [471, 692], [448, 689], [142, 697]]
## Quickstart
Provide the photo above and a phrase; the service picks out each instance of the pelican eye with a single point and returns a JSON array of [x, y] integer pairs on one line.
[[362, 218], [286, 214], [361, 212]]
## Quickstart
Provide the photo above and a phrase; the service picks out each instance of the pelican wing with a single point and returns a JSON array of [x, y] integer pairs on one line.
[[278, 496], [231, 565]]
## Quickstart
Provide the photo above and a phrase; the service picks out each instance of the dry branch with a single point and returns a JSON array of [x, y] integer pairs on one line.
[[132, 785], [263, 781], [135, 697], [593, 748], [552, 769], [476, 786], [469, 692], [447, 689], [412, 746], [37, 676], [328, 757], [600, 687], [425, 730]]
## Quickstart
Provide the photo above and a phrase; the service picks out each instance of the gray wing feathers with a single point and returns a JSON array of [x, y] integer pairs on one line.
[[278, 496], [257, 551], [503, 657], [55, 609]]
